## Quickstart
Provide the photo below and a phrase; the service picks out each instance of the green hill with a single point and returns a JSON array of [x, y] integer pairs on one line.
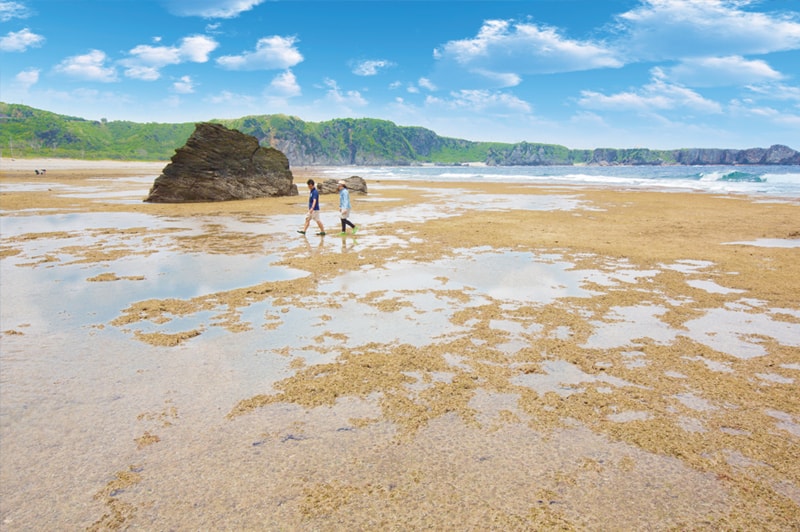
[[26, 132]]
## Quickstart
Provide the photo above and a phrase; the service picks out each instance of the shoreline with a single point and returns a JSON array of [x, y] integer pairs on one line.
[[20, 164]]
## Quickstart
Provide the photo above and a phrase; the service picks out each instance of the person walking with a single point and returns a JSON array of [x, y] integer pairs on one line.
[[344, 208], [313, 209]]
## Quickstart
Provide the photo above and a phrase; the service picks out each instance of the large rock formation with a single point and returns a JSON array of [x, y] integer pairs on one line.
[[355, 184], [220, 164], [776, 154]]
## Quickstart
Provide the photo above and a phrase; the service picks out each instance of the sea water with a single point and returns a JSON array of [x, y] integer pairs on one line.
[[774, 181]]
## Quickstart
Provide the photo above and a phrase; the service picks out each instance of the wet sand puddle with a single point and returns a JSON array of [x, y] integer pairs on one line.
[[169, 372]]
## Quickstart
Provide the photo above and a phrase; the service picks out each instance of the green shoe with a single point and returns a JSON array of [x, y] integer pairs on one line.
[[343, 233], [355, 228], [302, 232], [321, 233]]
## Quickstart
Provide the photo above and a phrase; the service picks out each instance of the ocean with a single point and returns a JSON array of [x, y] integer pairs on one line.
[[774, 181]]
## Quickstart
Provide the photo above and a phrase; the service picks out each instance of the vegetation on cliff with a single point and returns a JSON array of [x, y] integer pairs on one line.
[[27, 132]]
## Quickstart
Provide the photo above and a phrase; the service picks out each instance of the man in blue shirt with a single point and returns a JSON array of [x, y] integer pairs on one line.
[[344, 208], [313, 209]]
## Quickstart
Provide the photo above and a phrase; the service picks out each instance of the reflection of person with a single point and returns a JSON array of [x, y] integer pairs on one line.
[[313, 208], [344, 207]]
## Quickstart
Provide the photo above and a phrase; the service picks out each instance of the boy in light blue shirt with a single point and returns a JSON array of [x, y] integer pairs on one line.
[[344, 208]]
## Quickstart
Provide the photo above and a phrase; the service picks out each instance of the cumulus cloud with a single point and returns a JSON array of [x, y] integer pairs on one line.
[[210, 8], [658, 95], [721, 71], [503, 49], [12, 10], [371, 67], [480, 101], [27, 78], [271, 53], [284, 85], [197, 48], [185, 85], [422, 83], [88, 67], [146, 61], [19, 41], [425, 83], [670, 29]]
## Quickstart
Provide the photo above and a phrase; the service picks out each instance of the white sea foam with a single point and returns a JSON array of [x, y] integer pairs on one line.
[[774, 181]]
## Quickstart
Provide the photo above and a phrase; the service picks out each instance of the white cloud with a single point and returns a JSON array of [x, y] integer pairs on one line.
[[197, 48], [271, 53], [788, 120], [501, 79], [371, 67], [777, 118], [669, 29], [422, 83], [503, 48], [12, 10], [19, 41], [155, 56], [346, 99], [480, 101], [284, 85], [143, 73], [425, 83], [210, 8], [27, 78], [721, 72], [658, 95], [88, 67], [184, 85], [231, 98], [145, 61], [776, 91]]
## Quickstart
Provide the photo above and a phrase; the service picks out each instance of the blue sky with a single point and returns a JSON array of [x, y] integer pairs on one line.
[[582, 73]]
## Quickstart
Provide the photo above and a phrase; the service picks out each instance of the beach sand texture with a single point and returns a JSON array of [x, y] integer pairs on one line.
[[480, 356]]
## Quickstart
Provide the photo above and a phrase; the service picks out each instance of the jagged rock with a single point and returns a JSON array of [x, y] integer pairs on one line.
[[354, 184], [221, 164], [779, 154]]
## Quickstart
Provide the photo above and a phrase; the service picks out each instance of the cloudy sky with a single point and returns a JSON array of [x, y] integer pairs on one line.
[[582, 73]]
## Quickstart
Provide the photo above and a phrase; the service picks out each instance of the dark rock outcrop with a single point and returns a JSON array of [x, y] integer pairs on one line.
[[776, 154], [354, 184], [221, 164], [527, 154]]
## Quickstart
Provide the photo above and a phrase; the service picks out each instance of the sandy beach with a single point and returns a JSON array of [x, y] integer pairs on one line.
[[479, 356]]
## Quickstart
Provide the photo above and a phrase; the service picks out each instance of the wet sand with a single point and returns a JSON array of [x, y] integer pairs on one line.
[[478, 356]]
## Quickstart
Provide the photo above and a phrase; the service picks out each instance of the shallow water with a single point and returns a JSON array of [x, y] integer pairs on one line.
[[488, 347]]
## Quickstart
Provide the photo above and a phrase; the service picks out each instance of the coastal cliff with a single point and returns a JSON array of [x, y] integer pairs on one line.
[[528, 154]]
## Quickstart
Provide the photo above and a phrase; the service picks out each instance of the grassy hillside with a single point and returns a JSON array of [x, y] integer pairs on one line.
[[29, 132], [26, 132]]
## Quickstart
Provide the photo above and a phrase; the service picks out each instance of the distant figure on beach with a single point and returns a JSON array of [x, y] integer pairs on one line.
[[344, 207], [313, 209], [37, 171]]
